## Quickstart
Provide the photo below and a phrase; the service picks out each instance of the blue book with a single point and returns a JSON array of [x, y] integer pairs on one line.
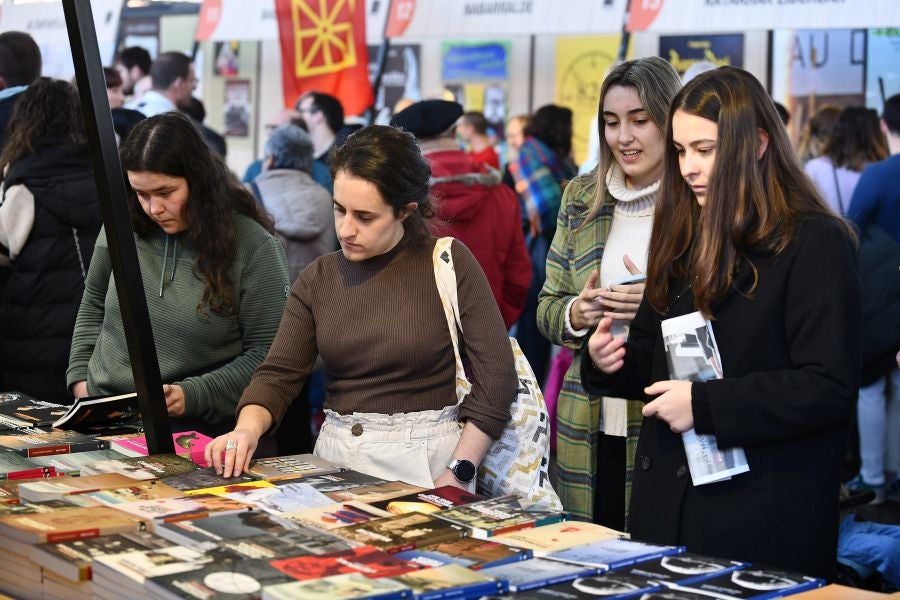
[[607, 585], [683, 569], [450, 581], [756, 582], [613, 554], [537, 573]]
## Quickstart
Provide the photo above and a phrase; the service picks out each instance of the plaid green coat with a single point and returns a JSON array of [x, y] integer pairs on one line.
[[572, 257]]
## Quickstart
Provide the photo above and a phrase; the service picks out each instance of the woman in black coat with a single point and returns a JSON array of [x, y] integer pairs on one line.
[[742, 236]]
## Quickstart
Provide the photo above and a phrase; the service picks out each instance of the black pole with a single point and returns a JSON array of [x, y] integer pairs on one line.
[[117, 223], [531, 50], [626, 35], [383, 50]]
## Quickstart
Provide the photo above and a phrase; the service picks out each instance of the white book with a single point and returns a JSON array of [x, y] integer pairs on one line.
[[692, 355]]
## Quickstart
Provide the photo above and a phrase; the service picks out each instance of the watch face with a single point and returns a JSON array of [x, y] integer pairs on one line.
[[464, 471]]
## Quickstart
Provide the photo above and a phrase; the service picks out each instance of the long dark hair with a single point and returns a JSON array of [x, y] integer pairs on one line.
[[552, 125], [856, 139], [753, 205], [48, 106], [172, 145], [390, 159]]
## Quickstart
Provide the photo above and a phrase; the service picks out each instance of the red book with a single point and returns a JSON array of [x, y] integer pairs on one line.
[[366, 560]]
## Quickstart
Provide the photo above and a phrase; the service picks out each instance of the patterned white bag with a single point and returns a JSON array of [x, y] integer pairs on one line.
[[517, 462]]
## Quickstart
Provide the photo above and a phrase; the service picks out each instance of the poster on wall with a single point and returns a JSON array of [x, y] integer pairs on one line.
[[882, 66], [400, 78], [813, 67], [683, 51], [581, 65], [476, 73], [237, 107], [226, 53]]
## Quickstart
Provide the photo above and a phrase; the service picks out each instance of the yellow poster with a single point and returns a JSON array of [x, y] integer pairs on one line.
[[581, 64], [474, 96]]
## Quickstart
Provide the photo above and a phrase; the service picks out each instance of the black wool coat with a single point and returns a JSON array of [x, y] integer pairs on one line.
[[790, 355]]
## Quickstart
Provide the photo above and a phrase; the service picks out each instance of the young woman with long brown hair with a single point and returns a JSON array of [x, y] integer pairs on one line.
[[741, 235]]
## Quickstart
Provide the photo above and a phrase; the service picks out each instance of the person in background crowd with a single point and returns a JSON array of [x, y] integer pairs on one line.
[[173, 79], [374, 315], [875, 209], [123, 119], [542, 167], [132, 64], [602, 237], [214, 275], [472, 129], [475, 207], [514, 135], [748, 243], [20, 65], [194, 108], [324, 118], [49, 220], [320, 172], [855, 141], [817, 132], [783, 113]]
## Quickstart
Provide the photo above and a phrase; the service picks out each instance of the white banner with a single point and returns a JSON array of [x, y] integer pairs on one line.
[[45, 21], [699, 16], [476, 18]]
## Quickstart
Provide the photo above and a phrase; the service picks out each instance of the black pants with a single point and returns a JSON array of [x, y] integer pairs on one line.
[[295, 436], [609, 493]]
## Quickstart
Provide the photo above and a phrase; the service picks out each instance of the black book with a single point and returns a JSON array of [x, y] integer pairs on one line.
[[618, 585], [222, 578], [20, 411], [99, 414], [757, 582], [683, 569], [53, 442]]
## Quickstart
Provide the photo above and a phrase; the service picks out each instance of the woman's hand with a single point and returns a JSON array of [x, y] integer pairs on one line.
[[230, 454], [587, 311], [448, 478], [605, 350], [79, 389], [174, 400], [673, 405], [624, 300]]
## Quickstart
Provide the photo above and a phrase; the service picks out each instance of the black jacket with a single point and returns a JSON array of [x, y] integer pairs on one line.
[[790, 356], [879, 271], [40, 302]]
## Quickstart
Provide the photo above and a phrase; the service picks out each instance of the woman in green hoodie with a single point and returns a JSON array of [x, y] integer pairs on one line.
[[215, 278]]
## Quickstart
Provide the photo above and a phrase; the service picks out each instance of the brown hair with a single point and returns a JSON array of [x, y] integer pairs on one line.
[[856, 139], [753, 205]]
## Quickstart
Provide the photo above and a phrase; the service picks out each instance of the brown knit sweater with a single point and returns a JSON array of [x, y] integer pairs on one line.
[[381, 332]]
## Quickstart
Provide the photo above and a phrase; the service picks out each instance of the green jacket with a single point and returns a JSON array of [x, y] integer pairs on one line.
[[210, 356], [572, 256]]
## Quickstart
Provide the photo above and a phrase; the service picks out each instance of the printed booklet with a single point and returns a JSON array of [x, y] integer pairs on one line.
[[613, 554], [95, 414], [692, 355]]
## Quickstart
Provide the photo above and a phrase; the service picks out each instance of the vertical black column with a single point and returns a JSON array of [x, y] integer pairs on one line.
[[111, 190]]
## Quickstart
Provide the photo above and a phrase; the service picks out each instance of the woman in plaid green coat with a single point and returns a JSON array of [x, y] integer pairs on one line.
[[602, 236]]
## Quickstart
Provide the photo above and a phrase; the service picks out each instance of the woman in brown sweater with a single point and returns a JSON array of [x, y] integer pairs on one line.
[[373, 313]]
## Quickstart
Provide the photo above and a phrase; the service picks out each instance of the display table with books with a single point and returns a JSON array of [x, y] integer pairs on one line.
[[91, 516]]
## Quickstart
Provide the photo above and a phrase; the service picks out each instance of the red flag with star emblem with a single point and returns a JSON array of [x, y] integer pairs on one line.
[[323, 49]]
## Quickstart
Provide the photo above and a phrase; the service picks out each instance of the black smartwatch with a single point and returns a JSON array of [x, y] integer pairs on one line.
[[463, 470]]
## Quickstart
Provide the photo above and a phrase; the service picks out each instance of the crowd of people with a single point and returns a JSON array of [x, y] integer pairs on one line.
[[313, 277]]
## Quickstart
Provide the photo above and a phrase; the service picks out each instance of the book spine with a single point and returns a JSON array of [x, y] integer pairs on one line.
[[35, 473], [45, 450], [482, 534], [67, 536]]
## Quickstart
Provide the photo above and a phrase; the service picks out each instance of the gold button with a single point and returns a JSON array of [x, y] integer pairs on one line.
[[356, 429]]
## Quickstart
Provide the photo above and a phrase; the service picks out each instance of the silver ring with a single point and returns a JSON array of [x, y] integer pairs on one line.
[[230, 445]]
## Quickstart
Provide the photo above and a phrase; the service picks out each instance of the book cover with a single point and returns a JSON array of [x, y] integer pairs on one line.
[[52, 442], [375, 493], [203, 478], [73, 559], [137, 492], [18, 411], [428, 501], [95, 414], [338, 587], [364, 560], [231, 488], [16, 466], [9, 490], [333, 516], [203, 534], [191, 444], [494, 516], [693, 355], [58, 487], [431, 584], [70, 524], [480, 553], [71, 464], [284, 498], [607, 585], [145, 468], [683, 569], [137, 565], [557, 536], [755, 582], [613, 554], [403, 532], [177, 508], [345, 480], [232, 579], [27, 508], [299, 541], [292, 467], [537, 573]]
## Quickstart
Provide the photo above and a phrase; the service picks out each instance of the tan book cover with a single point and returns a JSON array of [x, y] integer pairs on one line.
[[69, 524], [56, 488], [557, 536]]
